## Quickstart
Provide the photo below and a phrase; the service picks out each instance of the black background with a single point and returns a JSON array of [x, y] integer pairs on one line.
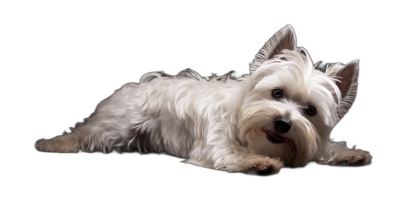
[[73, 56]]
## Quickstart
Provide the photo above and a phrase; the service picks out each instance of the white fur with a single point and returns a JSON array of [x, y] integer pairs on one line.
[[218, 123]]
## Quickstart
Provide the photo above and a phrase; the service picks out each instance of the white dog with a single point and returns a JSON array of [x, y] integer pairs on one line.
[[280, 114]]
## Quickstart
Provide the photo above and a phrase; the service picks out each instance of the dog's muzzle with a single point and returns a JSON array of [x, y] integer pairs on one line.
[[274, 138], [281, 125]]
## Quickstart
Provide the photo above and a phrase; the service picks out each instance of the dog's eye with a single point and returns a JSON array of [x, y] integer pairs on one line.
[[277, 93], [311, 110]]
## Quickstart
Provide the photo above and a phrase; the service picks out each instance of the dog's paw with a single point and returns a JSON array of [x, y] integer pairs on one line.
[[352, 157], [63, 144], [265, 166]]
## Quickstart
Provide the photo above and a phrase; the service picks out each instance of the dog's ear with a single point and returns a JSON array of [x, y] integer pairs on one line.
[[285, 38], [346, 79]]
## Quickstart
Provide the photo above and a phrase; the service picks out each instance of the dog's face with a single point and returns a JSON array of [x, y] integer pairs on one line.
[[290, 107]]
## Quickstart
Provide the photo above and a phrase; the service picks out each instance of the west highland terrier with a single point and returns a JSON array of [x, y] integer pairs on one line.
[[281, 114]]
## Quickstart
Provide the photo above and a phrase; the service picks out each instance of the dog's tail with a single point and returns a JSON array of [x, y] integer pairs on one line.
[[66, 143]]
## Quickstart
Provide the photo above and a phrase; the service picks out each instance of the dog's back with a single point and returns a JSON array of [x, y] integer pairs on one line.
[[164, 113]]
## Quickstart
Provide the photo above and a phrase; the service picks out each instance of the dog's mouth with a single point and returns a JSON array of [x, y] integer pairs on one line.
[[273, 137]]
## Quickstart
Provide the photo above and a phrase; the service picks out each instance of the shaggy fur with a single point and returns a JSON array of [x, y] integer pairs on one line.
[[227, 123]]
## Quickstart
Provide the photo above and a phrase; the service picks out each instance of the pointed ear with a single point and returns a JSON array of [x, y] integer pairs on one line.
[[347, 82], [285, 38]]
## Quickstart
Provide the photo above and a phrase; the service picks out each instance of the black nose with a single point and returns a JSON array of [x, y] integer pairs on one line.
[[282, 124]]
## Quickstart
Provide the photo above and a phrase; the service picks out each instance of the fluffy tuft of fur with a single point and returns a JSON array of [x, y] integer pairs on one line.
[[228, 123]]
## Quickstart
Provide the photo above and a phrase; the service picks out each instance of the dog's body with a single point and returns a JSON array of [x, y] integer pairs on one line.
[[282, 113]]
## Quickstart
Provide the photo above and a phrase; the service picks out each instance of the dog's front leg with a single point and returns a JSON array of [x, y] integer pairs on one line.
[[233, 158], [337, 152]]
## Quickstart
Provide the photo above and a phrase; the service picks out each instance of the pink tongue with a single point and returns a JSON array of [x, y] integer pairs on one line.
[[276, 136]]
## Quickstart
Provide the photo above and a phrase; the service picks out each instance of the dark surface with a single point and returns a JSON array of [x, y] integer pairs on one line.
[[74, 59]]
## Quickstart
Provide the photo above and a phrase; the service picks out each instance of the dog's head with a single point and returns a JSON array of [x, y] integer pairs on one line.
[[290, 107]]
